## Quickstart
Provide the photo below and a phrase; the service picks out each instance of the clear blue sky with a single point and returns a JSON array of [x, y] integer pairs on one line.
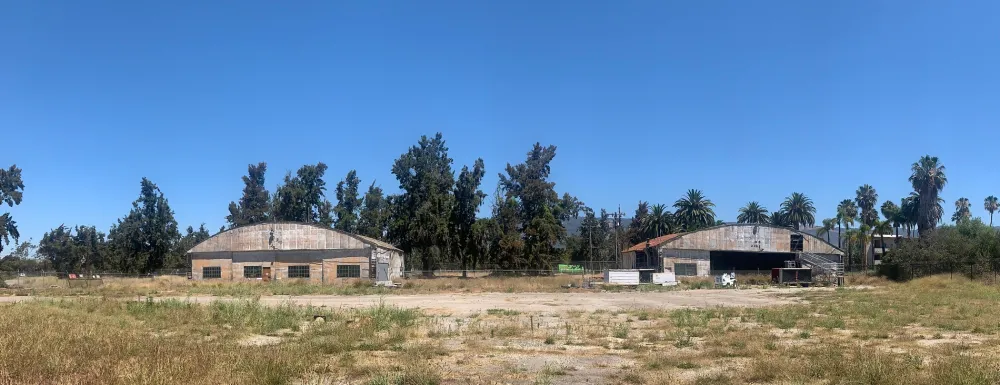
[[745, 100]]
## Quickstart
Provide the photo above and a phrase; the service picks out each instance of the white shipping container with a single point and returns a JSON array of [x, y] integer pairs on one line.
[[621, 277]]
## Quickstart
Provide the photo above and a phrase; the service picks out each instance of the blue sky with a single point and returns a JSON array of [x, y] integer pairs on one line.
[[644, 99]]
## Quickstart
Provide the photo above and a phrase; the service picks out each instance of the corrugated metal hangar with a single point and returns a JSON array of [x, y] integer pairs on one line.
[[294, 251], [725, 248]]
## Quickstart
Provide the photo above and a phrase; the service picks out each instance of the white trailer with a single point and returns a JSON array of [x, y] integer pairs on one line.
[[621, 277]]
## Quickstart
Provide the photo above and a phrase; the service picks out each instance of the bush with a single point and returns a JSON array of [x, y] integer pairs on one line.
[[971, 248]]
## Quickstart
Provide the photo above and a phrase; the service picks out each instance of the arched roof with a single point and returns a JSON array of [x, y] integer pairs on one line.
[[286, 236], [730, 236]]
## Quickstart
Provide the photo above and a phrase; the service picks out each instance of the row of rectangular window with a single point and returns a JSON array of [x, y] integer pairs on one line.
[[294, 271]]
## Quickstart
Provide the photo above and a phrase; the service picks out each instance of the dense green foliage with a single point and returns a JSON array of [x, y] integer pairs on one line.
[[74, 249], [928, 179], [255, 204], [373, 220], [970, 247], [694, 211], [468, 198], [11, 191], [348, 203], [753, 212], [798, 210], [141, 241], [435, 217], [302, 198]]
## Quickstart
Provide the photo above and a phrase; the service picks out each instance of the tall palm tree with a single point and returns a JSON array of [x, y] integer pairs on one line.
[[880, 228], [928, 179], [909, 207], [891, 213], [840, 220], [799, 209], [862, 237], [780, 219], [694, 211], [826, 228], [866, 198], [846, 211], [659, 222], [991, 204], [753, 212], [963, 210]]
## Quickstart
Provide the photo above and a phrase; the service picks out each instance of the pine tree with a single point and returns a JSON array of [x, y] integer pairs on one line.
[[254, 205], [373, 221], [348, 203], [141, 241], [426, 179], [468, 198], [527, 184]]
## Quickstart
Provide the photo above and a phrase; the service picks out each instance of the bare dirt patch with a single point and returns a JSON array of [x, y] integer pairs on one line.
[[465, 304]]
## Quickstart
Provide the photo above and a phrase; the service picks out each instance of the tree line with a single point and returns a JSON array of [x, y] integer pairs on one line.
[[435, 217]]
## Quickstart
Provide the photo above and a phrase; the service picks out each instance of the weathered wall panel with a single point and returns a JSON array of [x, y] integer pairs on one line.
[[748, 238], [198, 264], [279, 245], [279, 236]]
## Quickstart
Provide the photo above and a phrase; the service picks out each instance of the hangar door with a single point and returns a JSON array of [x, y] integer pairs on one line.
[[747, 262]]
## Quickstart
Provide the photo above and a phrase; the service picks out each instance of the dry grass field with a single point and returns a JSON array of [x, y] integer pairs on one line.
[[935, 330], [174, 286]]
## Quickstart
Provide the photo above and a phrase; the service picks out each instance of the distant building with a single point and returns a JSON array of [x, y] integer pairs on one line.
[[294, 251], [730, 247]]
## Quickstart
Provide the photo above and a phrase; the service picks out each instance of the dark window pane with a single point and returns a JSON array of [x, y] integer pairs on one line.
[[298, 271], [348, 271], [252, 272], [687, 269], [209, 272]]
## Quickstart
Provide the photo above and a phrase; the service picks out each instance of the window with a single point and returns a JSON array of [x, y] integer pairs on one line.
[[252, 272], [348, 271], [209, 272], [686, 269], [298, 271], [796, 242]]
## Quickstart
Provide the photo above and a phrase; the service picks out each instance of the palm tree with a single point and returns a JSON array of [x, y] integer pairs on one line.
[[861, 237], [891, 213], [962, 210], [992, 204], [908, 208], [779, 218], [694, 211], [826, 228], [799, 209], [880, 228], [753, 212], [840, 220], [866, 198], [658, 222], [928, 179], [846, 211]]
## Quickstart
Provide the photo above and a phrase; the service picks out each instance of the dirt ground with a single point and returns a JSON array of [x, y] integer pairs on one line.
[[466, 304]]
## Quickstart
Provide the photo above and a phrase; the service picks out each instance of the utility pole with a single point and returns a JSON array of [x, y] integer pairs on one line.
[[590, 251], [618, 225]]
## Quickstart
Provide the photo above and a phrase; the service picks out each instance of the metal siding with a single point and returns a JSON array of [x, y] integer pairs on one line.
[[748, 238]]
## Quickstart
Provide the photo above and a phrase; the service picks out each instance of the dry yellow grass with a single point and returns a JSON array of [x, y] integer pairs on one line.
[[934, 330]]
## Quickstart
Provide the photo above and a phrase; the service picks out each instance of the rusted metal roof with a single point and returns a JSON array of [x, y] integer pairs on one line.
[[652, 242]]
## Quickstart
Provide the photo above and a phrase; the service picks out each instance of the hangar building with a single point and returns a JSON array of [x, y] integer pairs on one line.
[[294, 251], [730, 247]]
